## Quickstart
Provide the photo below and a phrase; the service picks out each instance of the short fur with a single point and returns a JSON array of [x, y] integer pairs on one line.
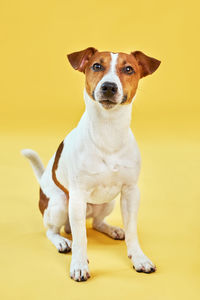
[[98, 160]]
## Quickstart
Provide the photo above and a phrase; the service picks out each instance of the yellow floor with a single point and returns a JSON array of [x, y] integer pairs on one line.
[[169, 231]]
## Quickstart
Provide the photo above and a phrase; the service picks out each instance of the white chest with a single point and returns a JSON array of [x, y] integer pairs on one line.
[[104, 180], [102, 154], [104, 193], [106, 185]]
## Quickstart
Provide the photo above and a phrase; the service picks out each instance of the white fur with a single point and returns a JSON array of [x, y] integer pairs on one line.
[[62, 244], [35, 161], [100, 159], [111, 76]]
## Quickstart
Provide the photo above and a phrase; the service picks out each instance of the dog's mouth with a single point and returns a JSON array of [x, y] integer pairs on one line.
[[107, 104]]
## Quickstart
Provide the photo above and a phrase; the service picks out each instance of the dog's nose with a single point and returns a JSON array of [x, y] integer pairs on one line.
[[109, 89]]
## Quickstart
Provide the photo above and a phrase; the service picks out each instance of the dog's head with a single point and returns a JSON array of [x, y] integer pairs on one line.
[[112, 78]]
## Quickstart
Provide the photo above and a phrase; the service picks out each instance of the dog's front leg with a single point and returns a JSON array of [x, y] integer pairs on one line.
[[77, 215], [130, 197]]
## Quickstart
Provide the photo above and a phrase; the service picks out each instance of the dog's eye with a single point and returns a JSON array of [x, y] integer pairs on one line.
[[97, 67], [128, 70]]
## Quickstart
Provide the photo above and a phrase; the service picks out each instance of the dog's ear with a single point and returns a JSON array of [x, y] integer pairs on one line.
[[147, 64], [79, 59]]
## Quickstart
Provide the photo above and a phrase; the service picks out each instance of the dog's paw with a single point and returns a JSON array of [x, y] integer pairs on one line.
[[79, 271], [141, 263], [116, 233], [62, 244]]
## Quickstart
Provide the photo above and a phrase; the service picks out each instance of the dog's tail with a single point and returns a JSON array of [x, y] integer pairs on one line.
[[35, 161]]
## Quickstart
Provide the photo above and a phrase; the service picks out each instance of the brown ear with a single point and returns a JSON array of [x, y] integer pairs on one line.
[[79, 59], [147, 64]]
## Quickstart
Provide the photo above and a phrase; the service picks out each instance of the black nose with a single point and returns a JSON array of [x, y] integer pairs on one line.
[[109, 89]]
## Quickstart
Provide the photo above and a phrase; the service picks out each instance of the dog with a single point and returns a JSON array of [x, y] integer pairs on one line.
[[97, 161]]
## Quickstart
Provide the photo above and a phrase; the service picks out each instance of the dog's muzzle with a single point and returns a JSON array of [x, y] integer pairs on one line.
[[108, 92], [109, 89]]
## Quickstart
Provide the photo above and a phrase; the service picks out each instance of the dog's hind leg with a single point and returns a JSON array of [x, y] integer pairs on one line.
[[99, 214], [55, 216], [62, 244]]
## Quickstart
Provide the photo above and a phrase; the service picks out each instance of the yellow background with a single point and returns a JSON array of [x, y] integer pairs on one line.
[[41, 101]]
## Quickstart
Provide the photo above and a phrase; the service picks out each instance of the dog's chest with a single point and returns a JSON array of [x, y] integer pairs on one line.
[[104, 180], [104, 193]]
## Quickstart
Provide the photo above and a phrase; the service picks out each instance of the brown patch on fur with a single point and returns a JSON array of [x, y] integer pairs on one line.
[[79, 59], [54, 168], [43, 203], [141, 63], [129, 82], [147, 64], [92, 78]]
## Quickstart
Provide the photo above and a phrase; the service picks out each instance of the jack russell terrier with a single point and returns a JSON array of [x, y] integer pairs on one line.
[[97, 160]]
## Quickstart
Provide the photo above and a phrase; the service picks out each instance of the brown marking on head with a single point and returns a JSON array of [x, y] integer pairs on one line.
[[147, 64], [142, 65], [92, 78], [129, 81], [79, 59], [43, 202], [83, 62], [54, 168]]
